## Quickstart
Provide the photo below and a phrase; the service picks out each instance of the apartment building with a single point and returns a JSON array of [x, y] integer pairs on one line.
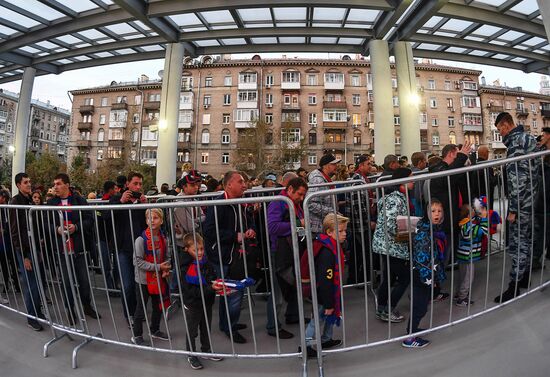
[[327, 103], [532, 110]]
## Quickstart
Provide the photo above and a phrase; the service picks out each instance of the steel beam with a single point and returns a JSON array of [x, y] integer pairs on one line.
[[265, 48], [468, 59], [422, 12], [26, 61]]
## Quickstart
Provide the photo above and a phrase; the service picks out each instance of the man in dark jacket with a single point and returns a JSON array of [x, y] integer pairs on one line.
[[72, 236], [223, 223], [22, 246], [105, 236], [128, 227]]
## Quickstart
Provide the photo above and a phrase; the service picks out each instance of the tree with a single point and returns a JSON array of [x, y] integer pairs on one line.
[[44, 168], [79, 174], [5, 171]]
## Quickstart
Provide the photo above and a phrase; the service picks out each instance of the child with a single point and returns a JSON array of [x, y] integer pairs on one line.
[[197, 275], [152, 267], [472, 230], [427, 268], [494, 220], [328, 267]]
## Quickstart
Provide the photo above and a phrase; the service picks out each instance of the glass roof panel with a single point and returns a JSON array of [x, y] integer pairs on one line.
[[80, 45], [187, 30], [500, 56], [286, 14], [108, 40], [518, 60], [122, 28], [81, 57], [487, 30], [358, 26], [521, 47], [291, 24], [324, 40], [351, 41], [92, 34], [456, 25], [292, 39], [6, 30], [134, 36], [334, 14], [366, 15], [142, 25], [456, 50], [445, 34], [64, 61], [319, 24], [206, 43], [17, 18], [125, 51], [103, 54], [233, 41], [259, 14], [477, 53], [46, 44], [500, 43], [37, 8], [433, 21], [474, 38], [526, 7], [186, 19], [152, 48], [69, 39], [250, 26], [225, 26], [264, 40], [533, 41], [217, 16], [29, 49], [428, 46], [495, 3], [79, 5], [511, 35]]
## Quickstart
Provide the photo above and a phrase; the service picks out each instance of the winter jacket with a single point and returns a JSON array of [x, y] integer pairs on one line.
[[278, 220], [389, 207], [141, 266], [522, 192], [544, 191], [192, 297], [423, 261], [471, 239], [19, 225], [319, 206], [188, 219], [126, 230], [362, 206]]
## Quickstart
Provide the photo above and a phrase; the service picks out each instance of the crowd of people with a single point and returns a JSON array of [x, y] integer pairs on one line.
[[352, 233]]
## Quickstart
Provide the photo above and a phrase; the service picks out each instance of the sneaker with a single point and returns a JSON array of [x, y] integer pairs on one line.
[[159, 335], [463, 302], [194, 362], [35, 325], [416, 342], [237, 337], [283, 334], [331, 343], [4, 300], [393, 317], [212, 358], [240, 326], [311, 353], [138, 341], [441, 296], [90, 312]]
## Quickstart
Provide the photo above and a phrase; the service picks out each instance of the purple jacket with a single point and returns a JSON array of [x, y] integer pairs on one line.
[[278, 221]]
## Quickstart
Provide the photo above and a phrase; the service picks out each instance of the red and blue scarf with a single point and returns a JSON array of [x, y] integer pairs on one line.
[[155, 252], [192, 276]]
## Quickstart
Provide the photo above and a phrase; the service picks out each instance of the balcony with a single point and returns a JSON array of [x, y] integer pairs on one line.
[[240, 124], [248, 85], [495, 109], [247, 104], [423, 125], [334, 145], [151, 105], [470, 110], [83, 143], [86, 109], [116, 143], [545, 113], [149, 122], [291, 106], [522, 113], [472, 128], [334, 85], [335, 125], [84, 126], [334, 104], [182, 145], [119, 106], [290, 85], [498, 145], [185, 125], [422, 107]]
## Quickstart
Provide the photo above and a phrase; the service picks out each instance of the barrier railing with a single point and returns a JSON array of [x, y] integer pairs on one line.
[[80, 278]]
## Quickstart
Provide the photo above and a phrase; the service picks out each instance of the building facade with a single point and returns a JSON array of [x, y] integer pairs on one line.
[[532, 110], [327, 103], [48, 127]]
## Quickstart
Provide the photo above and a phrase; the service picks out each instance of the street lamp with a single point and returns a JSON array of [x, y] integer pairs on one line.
[[11, 149]]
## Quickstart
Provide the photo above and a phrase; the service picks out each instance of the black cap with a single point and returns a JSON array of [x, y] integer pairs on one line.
[[401, 173], [187, 179], [328, 159], [362, 158]]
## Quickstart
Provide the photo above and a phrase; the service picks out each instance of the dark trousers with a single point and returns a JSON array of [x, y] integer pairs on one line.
[[79, 273], [420, 300], [358, 265], [139, 314], [31, 293], [539, 235], [198, 322], [127, 280], [9, 269], [398, 272], [233, 307]]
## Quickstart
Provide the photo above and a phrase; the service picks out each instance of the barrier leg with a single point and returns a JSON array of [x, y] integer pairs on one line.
[[75, 352], [52, 341]]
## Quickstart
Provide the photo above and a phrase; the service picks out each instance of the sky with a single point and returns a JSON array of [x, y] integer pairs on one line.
[[55, 88]]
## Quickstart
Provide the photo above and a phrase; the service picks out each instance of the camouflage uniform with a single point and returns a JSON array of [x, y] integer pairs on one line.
[[522, 193]]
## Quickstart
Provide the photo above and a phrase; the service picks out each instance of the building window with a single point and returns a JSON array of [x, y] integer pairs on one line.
[[356, 119], [269, 138], [207, 100], [533, 108], [135, 118], [312, 138], [334, 78], [433, 102], [451, 122], [227, 81], [269, 99], [423, 118], [154, 97], [312, 118], [472, 119], [394, 82], [534, 123], [396, 120], [370, 96], [335, 115], [312, 79], [431, 84], [312, 99], [290, 117], [226, 136], [450, 103], [205, 139], [134, 136], [100, 135], [355, 80], [205, 119], [208, 81], [290, 135], [395, 101], [186, 83], [269, 80], [452, 138], [434, 122], [470, 101], [100, 154], [355, 99], [116, 134], [204, 158], [247, 96], [357, 138], [508, 105], [269, 118], [124, 99], [469, 85], [312, 160], [497, 137], [397, 138], [286, 99], [447, 84], [226, 99], [248, 78], [102, 119], [225, 158], [291, 76], [104, 101], [435, 139], [226, 118]]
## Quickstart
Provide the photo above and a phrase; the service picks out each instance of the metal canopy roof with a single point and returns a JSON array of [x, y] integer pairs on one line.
[[54, 36]]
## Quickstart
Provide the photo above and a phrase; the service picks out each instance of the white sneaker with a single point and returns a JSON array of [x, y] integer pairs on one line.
[[4, 300]]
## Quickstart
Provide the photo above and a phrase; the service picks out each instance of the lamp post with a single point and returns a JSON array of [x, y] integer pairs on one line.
[[346, 141]]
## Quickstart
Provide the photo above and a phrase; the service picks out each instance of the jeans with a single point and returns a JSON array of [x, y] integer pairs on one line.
[[399, 268], [233, 306], [141, 308], [421, 298], [79, 282], [198, 322], [106, 264], [327, 328], [291, 313], [126, 267], [31, 293]]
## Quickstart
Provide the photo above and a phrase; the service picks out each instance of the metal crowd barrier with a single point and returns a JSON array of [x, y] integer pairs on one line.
[[93, 295]]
